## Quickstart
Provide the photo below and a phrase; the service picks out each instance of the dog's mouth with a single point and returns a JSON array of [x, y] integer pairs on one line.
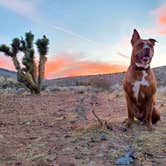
[[143, 60], [144, 57]]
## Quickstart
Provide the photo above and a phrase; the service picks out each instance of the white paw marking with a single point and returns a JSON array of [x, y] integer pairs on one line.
[[137, 84]]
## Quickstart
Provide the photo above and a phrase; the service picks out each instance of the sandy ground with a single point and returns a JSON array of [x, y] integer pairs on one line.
[[59, 129]]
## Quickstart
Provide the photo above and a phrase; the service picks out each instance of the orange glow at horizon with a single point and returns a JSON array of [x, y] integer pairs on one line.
[[53, 65], [6, 63], [70, 67]]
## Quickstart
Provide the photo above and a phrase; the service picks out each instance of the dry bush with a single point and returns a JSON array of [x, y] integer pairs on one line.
[[82, 83], [2, 96], [100, 83], [161, 93]]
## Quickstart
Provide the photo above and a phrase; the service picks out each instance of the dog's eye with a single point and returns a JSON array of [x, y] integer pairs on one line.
[[150, 45], [140, 45]]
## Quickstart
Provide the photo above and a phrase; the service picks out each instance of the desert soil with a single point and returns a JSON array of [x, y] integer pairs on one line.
[[59, 129]]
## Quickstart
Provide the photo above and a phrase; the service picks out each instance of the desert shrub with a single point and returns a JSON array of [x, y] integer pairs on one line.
[[7, 82], [2, 96], [44, 87], [100, 83], [161, 93], [82, 83]]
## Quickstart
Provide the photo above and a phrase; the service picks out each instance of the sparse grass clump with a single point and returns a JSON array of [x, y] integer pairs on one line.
[[162, 92], [100, 83], [2, 96]]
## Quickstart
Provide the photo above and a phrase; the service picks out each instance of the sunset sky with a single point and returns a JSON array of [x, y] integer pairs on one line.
[[86, 36]]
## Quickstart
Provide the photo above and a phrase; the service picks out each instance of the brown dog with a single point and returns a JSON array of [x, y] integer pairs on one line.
[[140, 83]]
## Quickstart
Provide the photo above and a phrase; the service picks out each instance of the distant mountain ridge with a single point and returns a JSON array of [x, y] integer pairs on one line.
[[8, 73], [113, 78]]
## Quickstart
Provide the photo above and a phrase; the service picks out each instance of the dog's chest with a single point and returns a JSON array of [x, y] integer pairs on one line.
[[138, 84]]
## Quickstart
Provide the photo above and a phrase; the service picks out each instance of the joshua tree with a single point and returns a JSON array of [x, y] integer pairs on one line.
[[28, 73]]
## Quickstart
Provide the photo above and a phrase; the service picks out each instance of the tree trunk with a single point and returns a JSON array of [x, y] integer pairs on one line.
[[33, 72], [16, 63], [28, 81], [25, 78]]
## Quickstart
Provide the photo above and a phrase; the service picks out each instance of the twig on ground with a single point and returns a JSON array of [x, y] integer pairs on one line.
[[102, 123]]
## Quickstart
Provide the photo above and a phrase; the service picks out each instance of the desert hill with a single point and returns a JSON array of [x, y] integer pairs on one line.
[[112, 79]]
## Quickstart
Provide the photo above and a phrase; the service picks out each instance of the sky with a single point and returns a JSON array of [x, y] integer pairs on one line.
[[86, 36]]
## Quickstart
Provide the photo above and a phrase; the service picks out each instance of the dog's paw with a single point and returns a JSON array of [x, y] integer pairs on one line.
[[150, 128], [128, 123]]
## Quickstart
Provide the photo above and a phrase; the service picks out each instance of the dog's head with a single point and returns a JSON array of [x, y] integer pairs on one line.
[[143, 50]]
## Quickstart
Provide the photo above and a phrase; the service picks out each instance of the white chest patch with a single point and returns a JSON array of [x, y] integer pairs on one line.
[[137, 84]]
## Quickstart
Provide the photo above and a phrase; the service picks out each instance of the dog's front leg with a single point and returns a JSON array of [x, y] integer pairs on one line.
[[149, 111], [130, 111]]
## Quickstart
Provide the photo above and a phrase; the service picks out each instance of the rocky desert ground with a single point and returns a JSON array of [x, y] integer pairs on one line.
[[58, 127]]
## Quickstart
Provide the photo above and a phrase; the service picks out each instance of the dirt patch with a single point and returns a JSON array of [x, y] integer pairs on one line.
[[52, 129]]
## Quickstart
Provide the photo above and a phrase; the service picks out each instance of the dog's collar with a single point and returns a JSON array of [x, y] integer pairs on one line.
[[141, 67]]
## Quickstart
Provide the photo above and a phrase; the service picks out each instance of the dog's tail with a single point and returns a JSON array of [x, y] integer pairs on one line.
[[155, 116]]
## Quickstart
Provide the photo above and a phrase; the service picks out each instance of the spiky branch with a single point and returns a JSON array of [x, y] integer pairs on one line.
[[42, 46]]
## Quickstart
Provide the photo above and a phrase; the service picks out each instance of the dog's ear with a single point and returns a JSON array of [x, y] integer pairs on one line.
[[135, 36], [153, 41]]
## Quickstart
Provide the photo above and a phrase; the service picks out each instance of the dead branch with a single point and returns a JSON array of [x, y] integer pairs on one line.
[[102, 123]]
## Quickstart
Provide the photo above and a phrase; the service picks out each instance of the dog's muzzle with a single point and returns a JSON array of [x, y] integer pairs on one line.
[[146, 54]]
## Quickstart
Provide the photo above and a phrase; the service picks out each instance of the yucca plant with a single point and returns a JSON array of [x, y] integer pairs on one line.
[[28, 73]]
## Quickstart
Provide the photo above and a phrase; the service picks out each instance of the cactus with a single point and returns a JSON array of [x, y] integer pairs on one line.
[[28, 73]]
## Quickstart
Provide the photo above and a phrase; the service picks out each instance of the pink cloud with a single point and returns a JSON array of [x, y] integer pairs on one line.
[[123, 55], [160, 14], [66, 65], [6, 62]]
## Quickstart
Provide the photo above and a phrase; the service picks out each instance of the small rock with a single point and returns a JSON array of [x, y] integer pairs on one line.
[[127, 159], [124, 129], [93, 140], [103, 138], [92, 163], [78, 157], [73, 121], [67, 136], [67, 149], [51, 157], [28, 123], [100, 155]]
